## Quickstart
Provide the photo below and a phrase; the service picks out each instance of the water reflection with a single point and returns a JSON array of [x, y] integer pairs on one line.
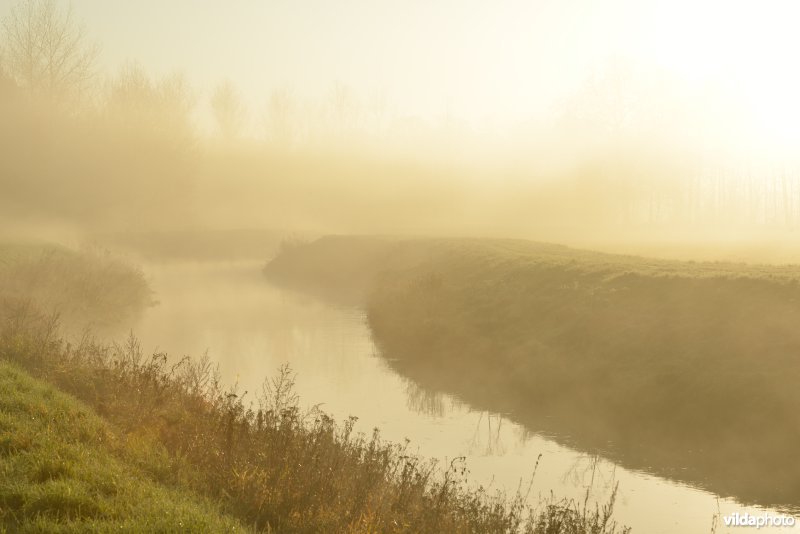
[[487, 441], [424, 401], [250, 328], [596, 475]]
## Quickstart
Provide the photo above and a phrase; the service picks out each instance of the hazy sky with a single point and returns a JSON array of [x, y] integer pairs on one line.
[[503, 60]]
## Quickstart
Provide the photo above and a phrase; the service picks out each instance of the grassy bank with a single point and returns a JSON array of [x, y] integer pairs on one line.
[[172, 429], [64, 469], [685, 369]]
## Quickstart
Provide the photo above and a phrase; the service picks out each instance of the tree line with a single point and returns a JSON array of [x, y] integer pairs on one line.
[[622, 158]]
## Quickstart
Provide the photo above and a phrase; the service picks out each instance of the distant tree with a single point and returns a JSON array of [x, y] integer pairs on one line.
[[607, 101], [155, 106], [281, 117], [8, 88], [5, 78], [378, 106], [229, 112], [346, 108], [132, 94], [46, 51]]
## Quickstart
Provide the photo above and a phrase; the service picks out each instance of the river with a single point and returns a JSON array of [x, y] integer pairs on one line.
[[250, 328]]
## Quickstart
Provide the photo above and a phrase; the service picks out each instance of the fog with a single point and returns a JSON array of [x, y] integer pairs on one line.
[[455, 219], [520, 120]]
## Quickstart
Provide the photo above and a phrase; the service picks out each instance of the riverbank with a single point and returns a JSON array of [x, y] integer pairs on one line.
[[88, 289], [64, 469], [683, 369], [267, 464]]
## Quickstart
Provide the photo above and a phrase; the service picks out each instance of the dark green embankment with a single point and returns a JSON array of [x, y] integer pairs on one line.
[[688, 370]]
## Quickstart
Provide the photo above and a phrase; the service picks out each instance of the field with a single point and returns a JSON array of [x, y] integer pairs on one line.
[[677, 368]]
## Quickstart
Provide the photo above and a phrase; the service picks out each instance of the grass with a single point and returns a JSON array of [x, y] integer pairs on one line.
[[685, 369], [266, 463], [63, 469]]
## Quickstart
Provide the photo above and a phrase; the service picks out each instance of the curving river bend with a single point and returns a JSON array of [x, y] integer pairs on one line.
[[250, 328]]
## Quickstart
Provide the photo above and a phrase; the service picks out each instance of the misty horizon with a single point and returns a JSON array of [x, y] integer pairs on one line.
[[418, 267]]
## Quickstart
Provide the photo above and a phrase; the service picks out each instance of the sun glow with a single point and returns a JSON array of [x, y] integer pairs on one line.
[[746, 51], [490, 66]]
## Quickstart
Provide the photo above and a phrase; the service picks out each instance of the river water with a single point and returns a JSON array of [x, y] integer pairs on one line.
[[250, 328]]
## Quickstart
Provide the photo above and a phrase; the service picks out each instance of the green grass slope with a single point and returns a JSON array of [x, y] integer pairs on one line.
[[685, 369], [62, 469]]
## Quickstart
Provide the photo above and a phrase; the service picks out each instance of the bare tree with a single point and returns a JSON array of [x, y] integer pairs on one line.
[[46, 51], [345, 107], [280, 117], [228, 109], [378, 106], [154, 106], [8, 88]]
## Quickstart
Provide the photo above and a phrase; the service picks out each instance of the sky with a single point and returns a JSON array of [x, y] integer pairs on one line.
[[471, 59], [486, 62]]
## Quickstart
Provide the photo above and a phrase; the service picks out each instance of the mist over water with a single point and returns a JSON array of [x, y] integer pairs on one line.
[[250, 328], [204, 142]]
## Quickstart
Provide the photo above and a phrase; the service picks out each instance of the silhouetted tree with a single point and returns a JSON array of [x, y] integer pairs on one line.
[[7, 84], [229, 112], [345, 107], [153, 106], [280, 119], [378, 106], [46, 51]]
